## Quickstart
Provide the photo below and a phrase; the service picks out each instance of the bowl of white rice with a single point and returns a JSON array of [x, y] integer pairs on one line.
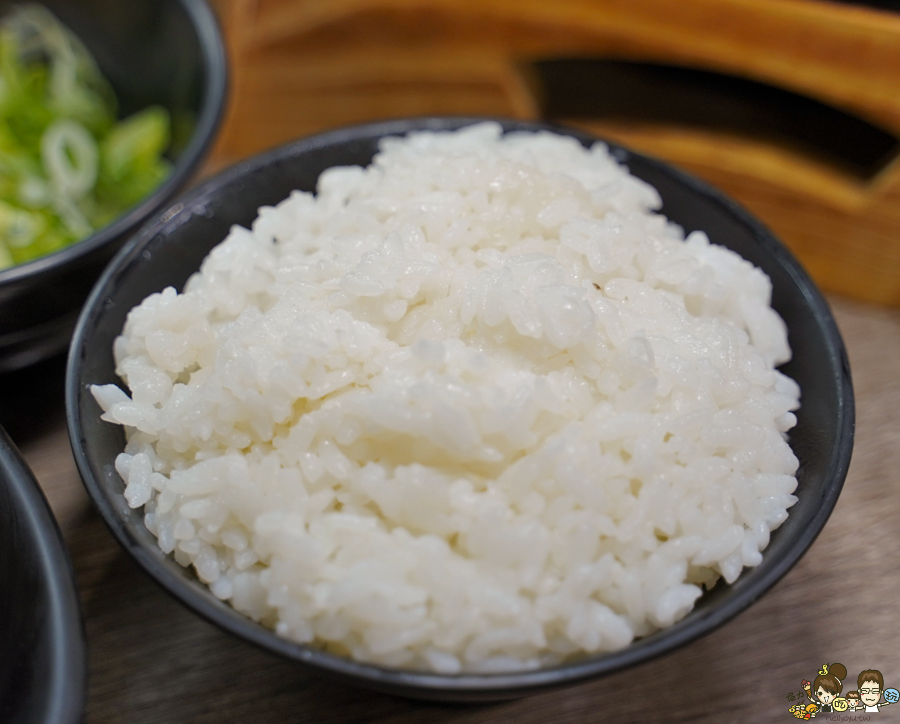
[[460, 409]]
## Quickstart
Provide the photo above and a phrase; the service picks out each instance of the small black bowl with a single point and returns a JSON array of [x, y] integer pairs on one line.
[[43, 667], [164, 52], [168, 252]]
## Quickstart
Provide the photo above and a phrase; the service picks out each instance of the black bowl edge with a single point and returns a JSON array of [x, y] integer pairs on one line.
[[60, 656], [460, 687]]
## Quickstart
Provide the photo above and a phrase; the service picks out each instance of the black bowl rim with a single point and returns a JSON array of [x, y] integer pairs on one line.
[[212, 48], [423, 684], [66, 681]]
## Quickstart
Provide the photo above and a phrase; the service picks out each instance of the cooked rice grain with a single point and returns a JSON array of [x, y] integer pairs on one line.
[[473, 408]]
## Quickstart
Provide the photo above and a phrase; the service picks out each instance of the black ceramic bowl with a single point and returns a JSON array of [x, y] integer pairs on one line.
[[43, 668], [164, 52], [167, 252]]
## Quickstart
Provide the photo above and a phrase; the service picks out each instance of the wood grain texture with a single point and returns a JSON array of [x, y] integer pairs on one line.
[[302, 66], [154, 662]]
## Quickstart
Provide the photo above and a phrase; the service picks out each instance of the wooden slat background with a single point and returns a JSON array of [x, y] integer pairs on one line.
[[302, 66]]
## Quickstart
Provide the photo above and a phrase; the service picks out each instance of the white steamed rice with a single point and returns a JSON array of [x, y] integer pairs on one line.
[[473, 408]]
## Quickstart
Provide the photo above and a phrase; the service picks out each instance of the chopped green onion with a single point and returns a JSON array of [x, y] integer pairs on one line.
[[67, 166], [70, 155]]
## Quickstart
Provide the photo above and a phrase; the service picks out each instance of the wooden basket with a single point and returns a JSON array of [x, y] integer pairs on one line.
[[791, 106]]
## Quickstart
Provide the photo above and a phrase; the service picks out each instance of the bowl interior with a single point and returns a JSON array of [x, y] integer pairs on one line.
[[167, 253], [148, 51], [162, 52], [154, 52]]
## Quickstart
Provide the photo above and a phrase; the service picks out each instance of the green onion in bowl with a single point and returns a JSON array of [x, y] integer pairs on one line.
[[67, 165]]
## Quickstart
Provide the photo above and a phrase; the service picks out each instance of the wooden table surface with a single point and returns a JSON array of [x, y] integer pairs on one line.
[[153, 661]]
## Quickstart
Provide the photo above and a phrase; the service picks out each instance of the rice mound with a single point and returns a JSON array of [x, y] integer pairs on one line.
[[475, 407]]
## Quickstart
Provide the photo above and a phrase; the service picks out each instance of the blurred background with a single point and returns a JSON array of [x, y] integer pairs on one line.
[[791, 106]]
